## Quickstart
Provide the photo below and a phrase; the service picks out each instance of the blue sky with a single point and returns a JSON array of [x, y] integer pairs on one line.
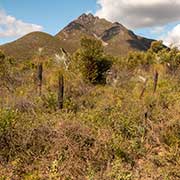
[[51, 15], [153, 19]]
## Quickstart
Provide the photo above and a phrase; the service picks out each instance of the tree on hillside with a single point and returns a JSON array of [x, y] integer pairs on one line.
[[93, 63]]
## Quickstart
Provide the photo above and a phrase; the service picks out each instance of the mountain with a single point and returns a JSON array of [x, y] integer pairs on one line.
[[116, 38], [28, 46]]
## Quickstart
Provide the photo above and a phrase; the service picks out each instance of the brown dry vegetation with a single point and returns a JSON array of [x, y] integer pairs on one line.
[[104, 132]]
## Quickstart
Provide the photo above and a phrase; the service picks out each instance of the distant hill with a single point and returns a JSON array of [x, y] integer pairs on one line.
[[27, 46], [116, 38]]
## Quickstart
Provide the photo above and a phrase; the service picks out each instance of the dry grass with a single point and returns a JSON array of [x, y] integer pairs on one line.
[[103, 132]]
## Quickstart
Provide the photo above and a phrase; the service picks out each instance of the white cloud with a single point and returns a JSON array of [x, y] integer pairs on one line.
[[173, 37], [11, 27], [140, 13]]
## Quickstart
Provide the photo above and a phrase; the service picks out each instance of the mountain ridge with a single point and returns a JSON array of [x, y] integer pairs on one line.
[[116, 38]]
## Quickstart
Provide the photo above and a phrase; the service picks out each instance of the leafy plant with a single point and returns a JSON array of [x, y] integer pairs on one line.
[[92, 61], [7, 119]]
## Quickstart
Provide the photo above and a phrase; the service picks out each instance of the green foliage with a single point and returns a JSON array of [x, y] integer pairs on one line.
[[2, 56], [32, 176], [171, 58], [92, 61], [157, 46], [137, 60], [156, 55], [3, 66], [7, 71], [7, 119], [91, 48], [50, 101], [172, 134]]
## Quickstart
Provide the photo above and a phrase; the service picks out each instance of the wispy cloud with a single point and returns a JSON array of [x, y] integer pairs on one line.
[[157, 30], [140, 13], [12, 27]]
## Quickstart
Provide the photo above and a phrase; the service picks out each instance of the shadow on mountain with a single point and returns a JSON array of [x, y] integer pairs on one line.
[[135, 44]]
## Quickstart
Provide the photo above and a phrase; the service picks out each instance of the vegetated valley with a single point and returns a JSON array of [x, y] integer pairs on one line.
[[94, 102]]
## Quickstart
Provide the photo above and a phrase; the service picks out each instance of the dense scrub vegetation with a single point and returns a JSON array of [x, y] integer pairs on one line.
[[125, 129]]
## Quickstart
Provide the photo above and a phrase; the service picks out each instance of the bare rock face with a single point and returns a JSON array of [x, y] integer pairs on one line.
[[86, 19], [74, 25], [113, 31]]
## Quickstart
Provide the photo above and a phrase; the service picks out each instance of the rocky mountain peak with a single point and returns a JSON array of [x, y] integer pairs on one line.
[[88, 16], [86, 19]]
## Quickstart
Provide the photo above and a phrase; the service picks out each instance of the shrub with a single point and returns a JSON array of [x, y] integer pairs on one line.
[[7, 119], [49, 101], [92, 61], [157, 46]]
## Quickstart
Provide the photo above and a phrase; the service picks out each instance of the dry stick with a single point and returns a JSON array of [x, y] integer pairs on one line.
[[39, 77], [144, 88], [60, 91], [156, 75]]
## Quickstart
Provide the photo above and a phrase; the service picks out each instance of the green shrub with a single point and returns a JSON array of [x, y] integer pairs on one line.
[[93, 63], [50, 101], [157, 46], [8, 118]]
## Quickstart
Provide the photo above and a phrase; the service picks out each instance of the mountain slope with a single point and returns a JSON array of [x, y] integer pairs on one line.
[[117, 39], [27, 46]]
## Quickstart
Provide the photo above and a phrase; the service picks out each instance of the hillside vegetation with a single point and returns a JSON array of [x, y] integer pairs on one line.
[[27, 46], [118, 118]]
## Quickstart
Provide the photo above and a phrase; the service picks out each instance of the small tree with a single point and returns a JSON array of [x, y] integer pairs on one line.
[[93, 63]]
